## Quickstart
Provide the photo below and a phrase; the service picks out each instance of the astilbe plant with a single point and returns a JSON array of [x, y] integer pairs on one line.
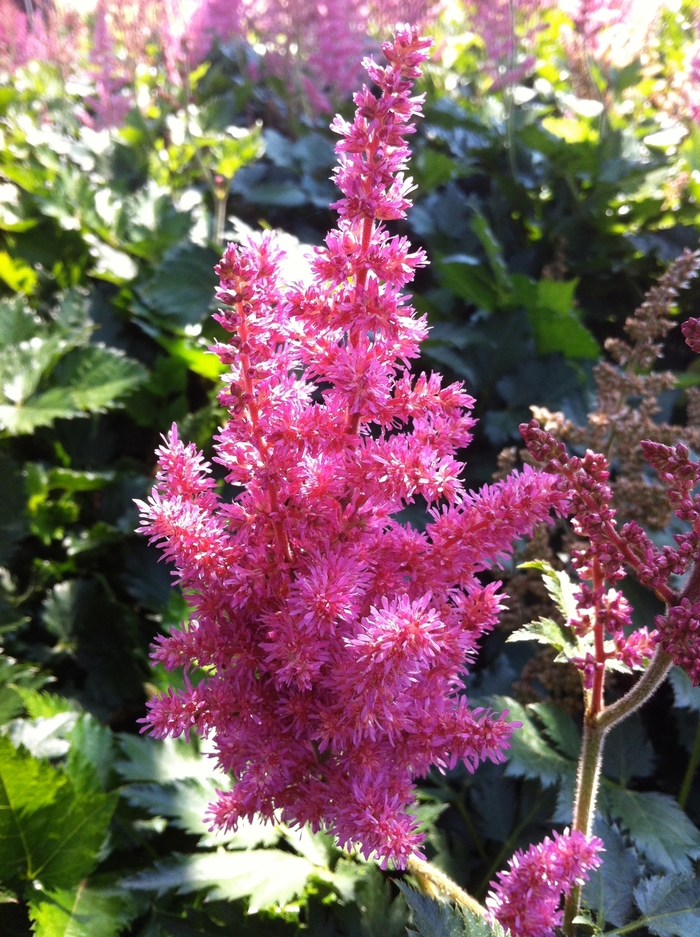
[[610, 550], [334, 638]]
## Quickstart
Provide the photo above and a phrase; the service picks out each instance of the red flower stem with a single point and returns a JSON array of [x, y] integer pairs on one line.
[[610, 535], [596, 701]]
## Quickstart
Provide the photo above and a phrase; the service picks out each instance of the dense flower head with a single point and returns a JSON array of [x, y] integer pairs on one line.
[[526, 897], [334, 638]]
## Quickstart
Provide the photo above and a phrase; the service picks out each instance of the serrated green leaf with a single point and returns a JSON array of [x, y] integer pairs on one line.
[[91, 756], [559, 727], [148, 759], [48, 830], [18, 322], [185, 802], [670, 905], [59, 610], [433, 918], [181, 290], [657, 826], [550, 632], [96, 376], [559, 585], [44, 737], [268, 877], [608, 891], [530, 754], [84, 911], [42, 705]]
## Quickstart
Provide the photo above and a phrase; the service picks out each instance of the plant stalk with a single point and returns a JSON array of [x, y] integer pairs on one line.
[[596, 727], [434, 882]]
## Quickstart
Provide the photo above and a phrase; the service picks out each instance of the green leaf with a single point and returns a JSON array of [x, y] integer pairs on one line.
[[657, 826], [13, 521], [84, 911], [381, 916], [608, 892], [48, 830], [561, 588], [18, 275], [91, 755], [628, 752], [18, 323], [15, 678], [268, 877], [45, 737], [95, 377], [186, 800], [149, 759], [530, 754], [469, 280], [181, 291], [548, 631], [670, 905], [433, 918], [559, 727]]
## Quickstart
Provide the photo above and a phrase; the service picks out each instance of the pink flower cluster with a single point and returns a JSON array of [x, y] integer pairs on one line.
[[39, 32], [333, 637], [507, 29], [527, 896]]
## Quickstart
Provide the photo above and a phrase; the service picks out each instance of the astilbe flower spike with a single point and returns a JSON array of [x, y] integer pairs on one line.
[[526, 897], [333, 638]]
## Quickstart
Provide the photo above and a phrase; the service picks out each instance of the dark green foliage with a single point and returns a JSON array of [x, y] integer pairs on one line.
[[433, 918]]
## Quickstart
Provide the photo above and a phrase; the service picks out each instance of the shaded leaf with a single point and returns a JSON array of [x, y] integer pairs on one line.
[[181, 289], [657, 826], [95, 377], [268, 877], [670, 905], [149, 759], [628, 752], [608, 891], [530, 754], [81, 912], [433, 918], [559, 727]]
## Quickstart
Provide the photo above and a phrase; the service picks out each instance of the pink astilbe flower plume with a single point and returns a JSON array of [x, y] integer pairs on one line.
[[334, 638], [527, 896]]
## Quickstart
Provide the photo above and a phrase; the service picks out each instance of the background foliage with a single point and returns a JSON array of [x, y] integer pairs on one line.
[[547, 210]]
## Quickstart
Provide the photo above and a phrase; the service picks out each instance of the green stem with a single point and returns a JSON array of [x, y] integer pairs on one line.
[[434, 882], [596, 727], [690, 771], [587, 784]]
